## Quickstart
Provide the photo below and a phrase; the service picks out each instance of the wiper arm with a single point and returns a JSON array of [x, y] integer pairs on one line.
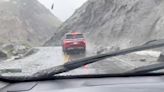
[[48, 73], [148, 68]]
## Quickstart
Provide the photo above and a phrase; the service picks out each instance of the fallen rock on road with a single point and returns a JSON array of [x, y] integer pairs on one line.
[[3, 55]]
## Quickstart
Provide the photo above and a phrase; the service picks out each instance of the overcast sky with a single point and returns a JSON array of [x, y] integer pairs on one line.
[[63, 9]]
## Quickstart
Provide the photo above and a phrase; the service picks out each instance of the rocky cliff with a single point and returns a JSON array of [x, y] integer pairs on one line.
[[121, 23], [26, 22]]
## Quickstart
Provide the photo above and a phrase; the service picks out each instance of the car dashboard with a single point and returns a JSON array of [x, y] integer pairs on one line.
[[112, 84]]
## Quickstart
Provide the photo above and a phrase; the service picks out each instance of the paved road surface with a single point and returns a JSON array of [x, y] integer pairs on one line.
[[113, 65], [52, 56]]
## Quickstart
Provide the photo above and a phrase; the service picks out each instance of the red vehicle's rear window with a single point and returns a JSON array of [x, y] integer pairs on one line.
[[71, 36]]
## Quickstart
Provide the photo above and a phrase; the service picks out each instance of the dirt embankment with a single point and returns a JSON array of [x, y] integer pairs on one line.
[[26, 22]]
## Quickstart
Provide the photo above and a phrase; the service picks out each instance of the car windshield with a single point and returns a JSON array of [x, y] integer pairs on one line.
[[34, 34]]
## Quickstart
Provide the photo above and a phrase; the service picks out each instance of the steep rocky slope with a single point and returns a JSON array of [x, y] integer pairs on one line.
[[26, 22], [121, 23]]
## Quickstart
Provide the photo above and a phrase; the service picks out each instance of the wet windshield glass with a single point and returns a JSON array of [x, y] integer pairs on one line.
[[76, 36], [69, 37], [79, 36], [40, 34]]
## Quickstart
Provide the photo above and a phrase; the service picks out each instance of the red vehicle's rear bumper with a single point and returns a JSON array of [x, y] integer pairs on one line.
[[74, 47]]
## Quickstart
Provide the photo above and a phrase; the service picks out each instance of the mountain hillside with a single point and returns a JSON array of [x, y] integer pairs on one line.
[[121, 23], [26, 22]]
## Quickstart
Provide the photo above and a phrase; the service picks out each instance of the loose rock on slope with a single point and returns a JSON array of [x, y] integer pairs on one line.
[[120, 23]]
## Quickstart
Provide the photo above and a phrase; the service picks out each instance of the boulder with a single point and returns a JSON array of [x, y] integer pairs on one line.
[[3, 55], [19, 49], [101, 50], [161, 58], [13, 50], [7, 47]]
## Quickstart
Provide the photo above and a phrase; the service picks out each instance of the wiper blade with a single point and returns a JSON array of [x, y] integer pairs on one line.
[[148, 68], [48, 73]]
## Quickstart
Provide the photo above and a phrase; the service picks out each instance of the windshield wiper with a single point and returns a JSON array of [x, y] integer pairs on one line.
[[49, 73]]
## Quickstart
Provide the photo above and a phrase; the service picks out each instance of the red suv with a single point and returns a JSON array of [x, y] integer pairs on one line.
[[73, 42]]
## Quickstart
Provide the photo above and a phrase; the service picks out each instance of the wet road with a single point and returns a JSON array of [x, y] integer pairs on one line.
[[112, 65], [48, 57]]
